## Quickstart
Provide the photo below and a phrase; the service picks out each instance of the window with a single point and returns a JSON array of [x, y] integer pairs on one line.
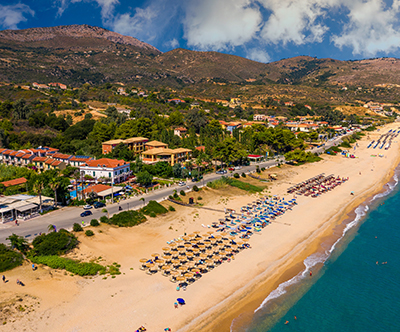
[[109, 174], [94, 173]]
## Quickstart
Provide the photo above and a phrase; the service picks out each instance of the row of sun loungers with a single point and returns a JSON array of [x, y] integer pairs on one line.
[[186, 259], [316, 186]]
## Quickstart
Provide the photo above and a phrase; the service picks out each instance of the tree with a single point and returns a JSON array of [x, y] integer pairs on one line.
[[177, 170], [229, 150], [196, 119], [144, 178], [18, 242], [54, 183], [176, 118], [51, 228], [54, 102], [38, 186], [21, 109]]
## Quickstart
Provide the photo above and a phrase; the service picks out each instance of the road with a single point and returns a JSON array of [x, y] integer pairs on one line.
[[67, 216]]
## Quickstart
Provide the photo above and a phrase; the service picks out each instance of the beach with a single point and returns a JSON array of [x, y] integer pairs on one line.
[[62, 302]]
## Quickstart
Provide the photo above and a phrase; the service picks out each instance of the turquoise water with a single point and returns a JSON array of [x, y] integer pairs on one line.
[[348, 290]]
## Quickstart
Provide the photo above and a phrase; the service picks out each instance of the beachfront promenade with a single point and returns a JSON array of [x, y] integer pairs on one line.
[[66, 217]]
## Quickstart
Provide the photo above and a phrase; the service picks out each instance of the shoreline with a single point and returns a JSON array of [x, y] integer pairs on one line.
[[257, 291], [232, 290]]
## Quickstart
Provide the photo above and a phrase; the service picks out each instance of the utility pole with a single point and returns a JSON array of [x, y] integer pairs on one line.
[[112, 188]]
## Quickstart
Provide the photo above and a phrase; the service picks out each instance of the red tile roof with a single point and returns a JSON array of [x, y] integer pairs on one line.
[[39, 159], [80, 159], [61, 156], [14, 182], [56, 163], [7, 152], [27, 156], [48, 161], [107, 162], [96, 188]]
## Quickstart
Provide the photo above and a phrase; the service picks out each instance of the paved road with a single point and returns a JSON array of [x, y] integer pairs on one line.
[[66, 217]]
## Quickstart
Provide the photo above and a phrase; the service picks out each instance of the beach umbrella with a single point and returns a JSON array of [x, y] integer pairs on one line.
[[166, 267], [143, 260], [189, 275], [203, 255], [180, 301], [166, 249], [159, 261], [155, 255], [196, 232], [182, 268], [175, 273], [189, 254], [176, 261], [210, 232], [186, 238], [181, 248], [167, 257], [195, 270], [202, 266], [172, 244], [180, 278]]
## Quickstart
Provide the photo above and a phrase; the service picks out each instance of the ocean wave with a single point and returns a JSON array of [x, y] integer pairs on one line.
[[318, 258]]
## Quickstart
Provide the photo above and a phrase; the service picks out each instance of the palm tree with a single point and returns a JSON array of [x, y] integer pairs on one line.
[[106, 211], [38, 187], [54, 184], [51, 228], [18, 242]]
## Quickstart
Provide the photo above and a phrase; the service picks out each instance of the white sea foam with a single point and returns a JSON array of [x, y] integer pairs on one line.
[[317, 258]]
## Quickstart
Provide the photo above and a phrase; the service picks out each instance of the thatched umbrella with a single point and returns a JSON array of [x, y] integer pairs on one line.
[[210, 232], [175, 273], [189, 275], [195, 270], [172, 244], [202, 267], [143, 260], [196, 232], [180, 278], [189, 254], [166, 267], [159, 261], [186, 238], [182, 257], [188, 245], [182, 268], [203, 255], [166, 249], [155, 255]]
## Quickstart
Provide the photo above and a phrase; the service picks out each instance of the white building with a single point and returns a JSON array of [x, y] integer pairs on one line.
[[115, 170]]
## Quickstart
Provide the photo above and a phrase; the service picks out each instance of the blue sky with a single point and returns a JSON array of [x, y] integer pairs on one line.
[[262, 30]]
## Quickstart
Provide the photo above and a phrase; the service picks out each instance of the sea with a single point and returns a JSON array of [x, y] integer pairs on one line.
[[352, 284]]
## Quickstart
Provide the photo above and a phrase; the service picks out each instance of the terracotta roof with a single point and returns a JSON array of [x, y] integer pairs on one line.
[[80, 159], [107, 162], [200, 148], [114, 141], [135, 139], [56, 163], [181, 129], [20, 154], [39, 159], [48, 161], [1, 150], [27, 156], [14, 182], [96, 188], [7, 152], [61, 156]]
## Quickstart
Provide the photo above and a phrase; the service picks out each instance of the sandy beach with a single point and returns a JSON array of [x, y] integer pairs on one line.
[[56, 301]]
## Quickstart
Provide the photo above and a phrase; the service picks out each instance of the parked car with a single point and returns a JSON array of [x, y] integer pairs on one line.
[[231, 168], [238, 167], [194, 180], [222, 171], [86, 213], [98, 205], [181, 183], [87, 207]]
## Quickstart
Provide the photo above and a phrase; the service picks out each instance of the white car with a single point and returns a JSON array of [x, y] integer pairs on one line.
[[238, 167], [181, 183], [87, 207]]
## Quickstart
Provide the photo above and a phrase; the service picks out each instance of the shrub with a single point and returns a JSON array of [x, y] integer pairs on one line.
[[89, 233], [171, 208], [263, 169], [236, 175], [243, 175], [176, 196], [94, 222], [171, 197], [77, 202], [345, 144], [195, 188], [182, 193], [9, 258], [76, 267], [153, 215], [104, 219], [77, 228], [155, 207], [127, 218], [244, 186], [199, 198], [55, 243]]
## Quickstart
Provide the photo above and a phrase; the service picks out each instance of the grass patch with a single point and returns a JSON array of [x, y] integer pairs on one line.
[[126, 219], [9, 258], [223, 181], [75, 267], [333, 150], [153, 207]]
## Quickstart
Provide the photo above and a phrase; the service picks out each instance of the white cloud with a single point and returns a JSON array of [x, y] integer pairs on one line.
[[12, 15], [222, 24], [258, 54], [173, 43], [372, 28], [107, 6]]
